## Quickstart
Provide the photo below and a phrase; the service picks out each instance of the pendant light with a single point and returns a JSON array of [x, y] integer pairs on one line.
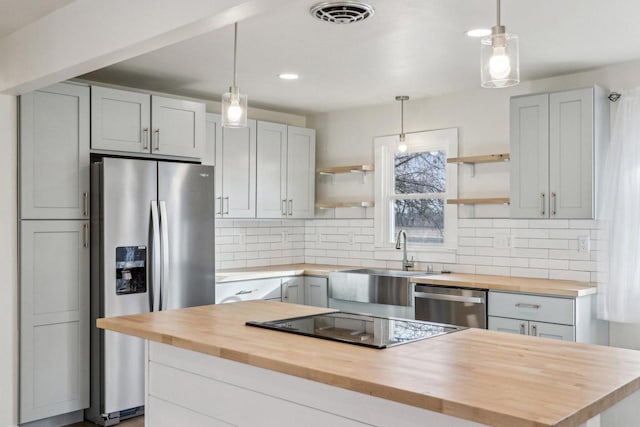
[[500, 64], [402, 146], [234, 104]]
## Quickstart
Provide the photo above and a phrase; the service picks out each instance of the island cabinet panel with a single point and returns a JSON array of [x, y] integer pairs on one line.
[[54, 153], [211, 391]]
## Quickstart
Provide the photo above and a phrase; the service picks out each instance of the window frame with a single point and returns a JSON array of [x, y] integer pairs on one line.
[[385, 148]]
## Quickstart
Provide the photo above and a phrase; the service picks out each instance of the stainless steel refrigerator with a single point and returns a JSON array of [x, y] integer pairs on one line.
[[152, 249]]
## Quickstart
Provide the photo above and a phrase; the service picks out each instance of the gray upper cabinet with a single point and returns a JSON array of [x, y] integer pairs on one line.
[[286, 171], [120, 120], [235, 171], [135, 122], [54, 318], [54, 152], [557, 143]]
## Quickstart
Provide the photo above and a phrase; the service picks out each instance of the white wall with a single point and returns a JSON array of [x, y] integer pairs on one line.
[[8, 261]]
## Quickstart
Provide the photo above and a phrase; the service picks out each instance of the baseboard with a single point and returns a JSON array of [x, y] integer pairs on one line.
[[57, 421]]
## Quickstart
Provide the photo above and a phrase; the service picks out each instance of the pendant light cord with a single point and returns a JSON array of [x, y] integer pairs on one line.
[[235, 51], [402, 117], [498, 11]]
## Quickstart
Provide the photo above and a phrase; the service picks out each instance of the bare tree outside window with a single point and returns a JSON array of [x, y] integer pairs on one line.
[[420, 186]]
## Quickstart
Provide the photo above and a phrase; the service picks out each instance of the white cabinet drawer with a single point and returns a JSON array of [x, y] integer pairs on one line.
[[532, 307], [246, 290]]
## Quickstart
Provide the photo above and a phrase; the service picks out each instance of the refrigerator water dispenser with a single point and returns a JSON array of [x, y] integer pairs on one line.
[[131, 270]]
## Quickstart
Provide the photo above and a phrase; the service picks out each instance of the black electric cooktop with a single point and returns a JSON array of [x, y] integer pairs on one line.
[[359, 329]]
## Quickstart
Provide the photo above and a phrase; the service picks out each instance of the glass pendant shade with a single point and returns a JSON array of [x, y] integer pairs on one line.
[[234, 109], [499, 59]]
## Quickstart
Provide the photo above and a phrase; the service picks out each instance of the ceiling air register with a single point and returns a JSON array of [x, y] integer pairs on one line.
[[342, 12]]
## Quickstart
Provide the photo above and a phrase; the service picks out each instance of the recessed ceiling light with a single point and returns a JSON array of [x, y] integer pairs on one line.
[[478, 32], [288, 76]]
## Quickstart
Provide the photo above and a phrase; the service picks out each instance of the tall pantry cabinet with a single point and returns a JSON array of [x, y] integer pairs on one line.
[[54, 251]]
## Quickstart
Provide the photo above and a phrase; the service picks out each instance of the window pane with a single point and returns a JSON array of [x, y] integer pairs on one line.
[[422, 219], [422, 172]]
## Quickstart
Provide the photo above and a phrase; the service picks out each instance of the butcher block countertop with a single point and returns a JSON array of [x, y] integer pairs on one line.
[[567, 288], [484, 376]]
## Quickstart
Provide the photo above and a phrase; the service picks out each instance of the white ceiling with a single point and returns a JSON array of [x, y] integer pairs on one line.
[[15, 14], [412, 47]]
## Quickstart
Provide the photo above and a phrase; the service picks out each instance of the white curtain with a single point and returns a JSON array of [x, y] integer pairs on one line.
[[619, 214]]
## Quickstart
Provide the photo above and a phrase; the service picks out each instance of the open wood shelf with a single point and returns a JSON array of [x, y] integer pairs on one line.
[[345, 169], [480, 201], [333, 205], [487, 158]]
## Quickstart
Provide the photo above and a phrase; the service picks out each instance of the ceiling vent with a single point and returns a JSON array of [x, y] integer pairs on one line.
[[342, 12]]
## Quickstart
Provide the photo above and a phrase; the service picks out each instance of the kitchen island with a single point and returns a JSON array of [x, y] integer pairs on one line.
[[206, 366]]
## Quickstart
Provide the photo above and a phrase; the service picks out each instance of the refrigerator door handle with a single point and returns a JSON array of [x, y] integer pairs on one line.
[[154, 298], [164, 239]]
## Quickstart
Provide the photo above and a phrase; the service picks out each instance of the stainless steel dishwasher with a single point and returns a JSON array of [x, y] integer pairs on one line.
[[451, 305]]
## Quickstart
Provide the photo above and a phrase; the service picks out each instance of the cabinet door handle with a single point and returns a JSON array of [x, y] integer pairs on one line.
[[145, 138], [85, 204], [157, 132], [523, 305], [227, 211], [534, 330], [219, 199], [290, 207], [553, 204], [85, 235], [522, 329], [284, 207], [542, 204]]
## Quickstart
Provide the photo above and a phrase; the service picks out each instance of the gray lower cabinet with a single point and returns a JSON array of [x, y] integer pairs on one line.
[[307, 290], [315, 291], [293, 289], [563, 318], [54, 318], [558, 142], [54, 153]]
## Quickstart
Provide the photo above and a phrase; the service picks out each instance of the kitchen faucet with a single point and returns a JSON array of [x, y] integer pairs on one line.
[[406, 264]]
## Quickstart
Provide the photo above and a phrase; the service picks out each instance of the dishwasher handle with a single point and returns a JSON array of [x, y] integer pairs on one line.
[[446, 297]]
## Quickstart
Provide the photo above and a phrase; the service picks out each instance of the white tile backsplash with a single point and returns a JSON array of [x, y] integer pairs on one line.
[[535, 248]]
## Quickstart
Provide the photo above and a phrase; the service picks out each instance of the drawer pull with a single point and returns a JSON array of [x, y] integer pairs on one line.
[[534, 330], [523, 305], [243, 292], [521, 328]]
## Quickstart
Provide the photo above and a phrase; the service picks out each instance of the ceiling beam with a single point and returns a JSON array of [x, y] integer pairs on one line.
[[87, 35]]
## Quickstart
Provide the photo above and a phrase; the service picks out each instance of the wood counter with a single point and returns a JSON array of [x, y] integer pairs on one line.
[[568, 288], [479, 375]]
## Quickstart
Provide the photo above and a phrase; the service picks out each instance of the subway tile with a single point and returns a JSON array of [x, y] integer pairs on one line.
[[466, 250], [568, 254], [493, 252], [511, 262], [582, 276], [477, 260], [257, 231], [569, 233], [511, 223], [518, 242], [548, 223], [583, 223], [530, 272], [549, 243], [492, 232], [310, 259], [475, 241], [529, 253], [530, 233], [583, 265], [363, 239], [460, 268], [246, 255], [486, 269], [258, 246], [473, 222], [558, 264], [361, 223], [466, 232]]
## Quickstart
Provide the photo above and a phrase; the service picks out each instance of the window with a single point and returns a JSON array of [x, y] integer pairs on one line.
[[412, 188]]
